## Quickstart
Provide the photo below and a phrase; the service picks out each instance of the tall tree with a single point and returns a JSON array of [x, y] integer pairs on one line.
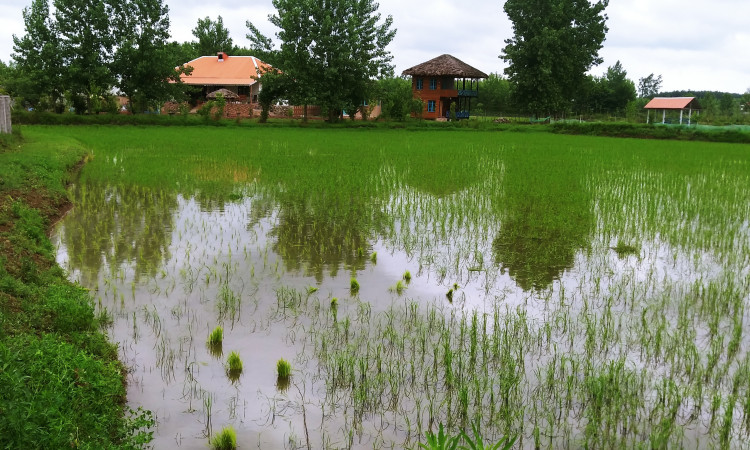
[[619, 89], [649, 86], [554, 44], [213, 37], [87, 42], [38, 58], [144, 63], [332, 50]]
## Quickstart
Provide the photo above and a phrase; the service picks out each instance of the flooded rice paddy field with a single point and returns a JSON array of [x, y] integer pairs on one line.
[[571, 291]]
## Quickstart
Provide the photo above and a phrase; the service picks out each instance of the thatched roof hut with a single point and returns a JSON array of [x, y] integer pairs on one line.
[[226, 93], [445, 66]]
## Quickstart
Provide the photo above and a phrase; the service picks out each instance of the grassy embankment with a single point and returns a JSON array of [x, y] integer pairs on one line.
[[61, 385]]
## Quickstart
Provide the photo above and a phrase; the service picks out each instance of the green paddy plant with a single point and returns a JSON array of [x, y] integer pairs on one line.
[[398, 288], [374, 257], [407, 277], [234, 365], [217, 336], [353, 286], [226, 439], [283, 374]]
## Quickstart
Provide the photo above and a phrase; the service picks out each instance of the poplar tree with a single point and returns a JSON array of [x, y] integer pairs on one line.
[[331, 50], [554, 44]]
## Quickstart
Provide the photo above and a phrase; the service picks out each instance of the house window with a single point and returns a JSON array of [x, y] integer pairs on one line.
[[431, 106], [447, 83], [419, 84], [433, 83]]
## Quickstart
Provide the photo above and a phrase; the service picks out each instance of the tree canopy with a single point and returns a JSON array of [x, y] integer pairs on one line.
[[124, 45], [331, 50], [213, 37], [554, 44]]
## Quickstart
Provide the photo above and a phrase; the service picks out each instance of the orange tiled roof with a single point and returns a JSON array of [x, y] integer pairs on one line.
[[232, 70], [669, 103]]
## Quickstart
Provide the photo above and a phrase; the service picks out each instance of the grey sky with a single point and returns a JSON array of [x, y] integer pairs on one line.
[[696, 45]]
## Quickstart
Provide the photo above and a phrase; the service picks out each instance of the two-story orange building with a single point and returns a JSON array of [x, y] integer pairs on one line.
[[442, 81]]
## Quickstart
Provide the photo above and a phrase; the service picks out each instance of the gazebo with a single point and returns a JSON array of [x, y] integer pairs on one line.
[[442, 81], [226, 93], [672, 104]]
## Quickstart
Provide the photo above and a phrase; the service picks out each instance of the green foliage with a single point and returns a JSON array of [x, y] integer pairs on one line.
[[212, 36], [554, 44], [649, 86], [144, 63], [224, 440], [329, 52], [440, 441], [494, 95], [354, 285], [395, 96], [477, 443]]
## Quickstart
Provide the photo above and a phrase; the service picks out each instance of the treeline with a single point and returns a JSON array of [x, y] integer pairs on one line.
[[76, 55]]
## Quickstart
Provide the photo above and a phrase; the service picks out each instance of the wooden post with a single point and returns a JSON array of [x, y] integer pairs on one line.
[[663, 116], [648, 115], [5, 125], [690, 113], [681, 111]]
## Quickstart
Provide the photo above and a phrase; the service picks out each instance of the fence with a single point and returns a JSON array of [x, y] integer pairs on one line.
[[5, 126]]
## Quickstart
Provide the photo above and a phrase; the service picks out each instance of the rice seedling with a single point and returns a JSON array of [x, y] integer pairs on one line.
[[234, 365], [353, 285], [216, 337], [226, 439], [398, 288], [407, 277], [283, 374]]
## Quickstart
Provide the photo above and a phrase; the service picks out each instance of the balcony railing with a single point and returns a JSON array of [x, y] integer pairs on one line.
[[467, 93]]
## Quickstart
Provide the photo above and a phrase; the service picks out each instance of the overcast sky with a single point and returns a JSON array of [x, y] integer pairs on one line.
[[693, 44]]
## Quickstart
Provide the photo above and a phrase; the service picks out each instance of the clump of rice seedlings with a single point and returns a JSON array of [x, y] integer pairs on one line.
[[449, 295], [283, 374], [225, 440], [407, 276], [334, 303], [622, 249], [215, 340], [234, 366], [374, 257], [311, 290], [354, 285], [216, 337], [398, 288]]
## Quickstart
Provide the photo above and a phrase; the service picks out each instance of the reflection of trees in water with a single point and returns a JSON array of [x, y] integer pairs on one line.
[[322, 233], [546, 218], [117, 225]]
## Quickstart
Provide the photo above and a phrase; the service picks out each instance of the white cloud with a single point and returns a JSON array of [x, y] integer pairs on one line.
[[692, 44]]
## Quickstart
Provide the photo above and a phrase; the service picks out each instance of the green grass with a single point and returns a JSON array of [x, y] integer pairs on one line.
[[62, 385]]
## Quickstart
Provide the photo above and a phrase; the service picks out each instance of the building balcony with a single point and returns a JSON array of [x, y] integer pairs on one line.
[[467, 93]]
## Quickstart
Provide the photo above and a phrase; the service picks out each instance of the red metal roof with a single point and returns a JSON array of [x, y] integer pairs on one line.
[[228, 71], [669, 103]]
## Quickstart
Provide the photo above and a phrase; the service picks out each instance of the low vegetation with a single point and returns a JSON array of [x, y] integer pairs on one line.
[[62, 385]]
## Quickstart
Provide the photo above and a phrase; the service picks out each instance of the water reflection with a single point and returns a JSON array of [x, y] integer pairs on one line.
[[113, 225], [320, 234], [546, 220]]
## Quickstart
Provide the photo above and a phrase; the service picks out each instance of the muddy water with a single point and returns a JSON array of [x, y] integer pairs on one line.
[[168, 268]]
